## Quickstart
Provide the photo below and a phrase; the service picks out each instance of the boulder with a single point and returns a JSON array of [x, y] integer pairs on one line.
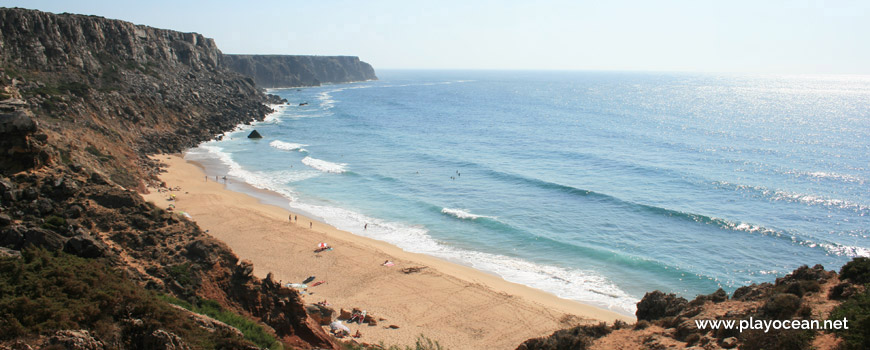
[[5, 220], [323, 315], [719, 296], [255, 135], [76, 340], [115, 198], [344, 314], [44, 238], [9, 253], [12, 236], [161, 339], [85, 246], [685, 328]]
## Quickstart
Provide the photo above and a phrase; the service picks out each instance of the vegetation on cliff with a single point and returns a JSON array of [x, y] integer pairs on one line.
[[85, 101], [43, 292]]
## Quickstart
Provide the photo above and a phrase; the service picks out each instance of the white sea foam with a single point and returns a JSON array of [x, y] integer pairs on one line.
[[326, 101], [845, 250], [808, 199], [819, 200], [463, 214], [575, 284], [270, 181], [287, 146], [274, 117], [324, 166]]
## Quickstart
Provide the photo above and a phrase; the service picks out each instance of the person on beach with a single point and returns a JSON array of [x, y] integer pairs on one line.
[[295, 218], [310, 224], [290, 218], [366, 226], [206, 178]]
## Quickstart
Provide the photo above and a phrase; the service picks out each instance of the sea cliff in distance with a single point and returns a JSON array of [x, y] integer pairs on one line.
[[86, 100], [276, 71]]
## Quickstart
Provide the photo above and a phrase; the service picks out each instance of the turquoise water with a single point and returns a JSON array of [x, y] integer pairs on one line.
[[594, 186]]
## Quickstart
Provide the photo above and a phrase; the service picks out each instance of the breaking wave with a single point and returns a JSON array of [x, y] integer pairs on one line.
[[463, 214], [287, 146], [324, 166]]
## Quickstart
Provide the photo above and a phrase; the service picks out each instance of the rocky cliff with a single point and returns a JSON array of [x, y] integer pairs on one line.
[[272, 71], [83, 101]]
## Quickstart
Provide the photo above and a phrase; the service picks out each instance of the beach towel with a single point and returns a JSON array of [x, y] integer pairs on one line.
[[337, 326], [309, 279], [318, 283]]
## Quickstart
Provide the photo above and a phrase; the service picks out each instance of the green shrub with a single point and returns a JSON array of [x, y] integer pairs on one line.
[[641, 325], [857, 270], [779, 339], [54, 223], [782, 306], [857, 311], [42, 292], [252, 331]]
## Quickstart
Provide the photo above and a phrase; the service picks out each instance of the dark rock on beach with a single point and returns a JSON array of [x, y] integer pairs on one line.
[[254, 135]]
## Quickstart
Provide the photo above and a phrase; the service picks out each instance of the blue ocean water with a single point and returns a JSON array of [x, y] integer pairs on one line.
[[594, 186]]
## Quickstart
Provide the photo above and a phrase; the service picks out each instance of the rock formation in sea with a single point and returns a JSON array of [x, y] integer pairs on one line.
[[84, 101], [255, 135], [275, 71]]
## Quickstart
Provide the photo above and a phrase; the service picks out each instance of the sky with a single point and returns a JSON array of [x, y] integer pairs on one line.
[[734, 36]]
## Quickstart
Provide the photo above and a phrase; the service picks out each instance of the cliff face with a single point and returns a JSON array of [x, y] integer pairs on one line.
[[48, 42], [292, 71], [83, 101]]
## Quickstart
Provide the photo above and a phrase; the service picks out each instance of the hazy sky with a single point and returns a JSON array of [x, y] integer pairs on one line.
[[760, 36]]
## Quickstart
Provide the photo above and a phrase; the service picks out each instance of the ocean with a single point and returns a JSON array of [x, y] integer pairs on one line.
[[593, 186]]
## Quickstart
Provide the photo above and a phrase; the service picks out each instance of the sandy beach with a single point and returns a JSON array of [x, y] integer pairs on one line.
[[460, 307]]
